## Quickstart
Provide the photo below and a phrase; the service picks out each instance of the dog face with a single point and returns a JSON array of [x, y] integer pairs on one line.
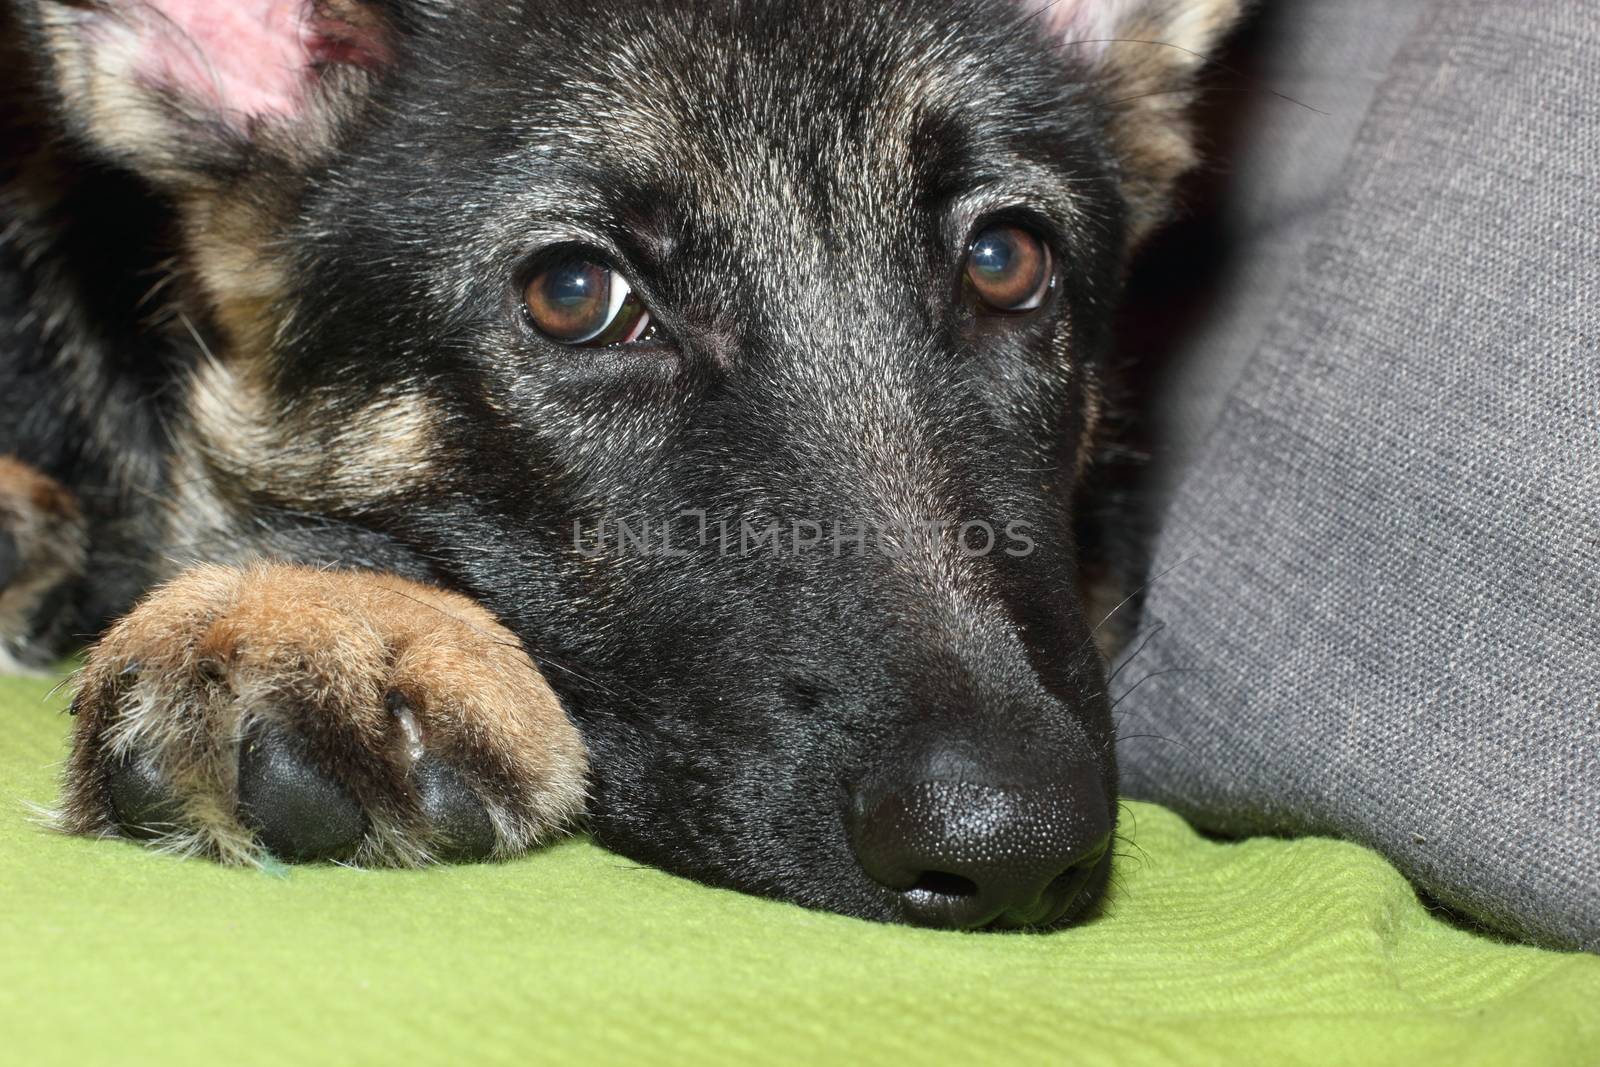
[[743, 358]]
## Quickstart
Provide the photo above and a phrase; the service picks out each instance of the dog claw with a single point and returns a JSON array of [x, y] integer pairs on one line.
[[295, 810]]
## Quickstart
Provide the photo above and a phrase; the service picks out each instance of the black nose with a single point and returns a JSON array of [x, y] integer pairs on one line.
[[966, 854]]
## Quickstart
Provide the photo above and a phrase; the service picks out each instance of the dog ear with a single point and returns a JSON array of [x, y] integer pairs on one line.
[[1146, 54], [182, 89]]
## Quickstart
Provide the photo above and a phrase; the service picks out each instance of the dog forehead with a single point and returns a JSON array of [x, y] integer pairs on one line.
[[738, 111], [794, 130]]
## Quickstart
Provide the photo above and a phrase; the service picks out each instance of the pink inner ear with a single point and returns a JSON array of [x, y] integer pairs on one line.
[[248, 57], [1088, 25]]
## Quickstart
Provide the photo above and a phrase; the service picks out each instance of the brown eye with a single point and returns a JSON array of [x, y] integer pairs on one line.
[[1009, 269], [580, 302]]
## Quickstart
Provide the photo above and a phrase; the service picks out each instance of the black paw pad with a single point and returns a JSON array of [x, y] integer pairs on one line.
[[296, 810], [141, 802], [463, 832]]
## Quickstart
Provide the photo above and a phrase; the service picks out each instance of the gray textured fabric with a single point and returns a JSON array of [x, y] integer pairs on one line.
[[1382, 618], [1323, 62]]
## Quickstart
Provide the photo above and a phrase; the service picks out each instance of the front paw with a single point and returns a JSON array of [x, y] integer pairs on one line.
[[319, 715]]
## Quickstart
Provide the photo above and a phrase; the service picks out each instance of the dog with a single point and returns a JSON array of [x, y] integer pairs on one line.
[[462, 420]]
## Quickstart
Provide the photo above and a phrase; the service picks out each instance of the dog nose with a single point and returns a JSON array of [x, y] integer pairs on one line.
[[965, 854]]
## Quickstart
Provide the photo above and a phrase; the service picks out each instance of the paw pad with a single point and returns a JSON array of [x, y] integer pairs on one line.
[[461, 826], [141, 802], [294, 809]]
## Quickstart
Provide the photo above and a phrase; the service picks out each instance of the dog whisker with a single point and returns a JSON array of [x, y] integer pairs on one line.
[[1149, 635], [1156, 674]]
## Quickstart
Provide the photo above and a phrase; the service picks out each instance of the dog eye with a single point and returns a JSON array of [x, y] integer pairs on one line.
[[584, 303], [1009, 269]]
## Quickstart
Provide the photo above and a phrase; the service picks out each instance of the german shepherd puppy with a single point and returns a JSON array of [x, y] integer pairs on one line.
[[471, 414]]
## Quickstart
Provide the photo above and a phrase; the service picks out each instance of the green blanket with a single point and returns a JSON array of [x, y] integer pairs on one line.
[[1263, 951]]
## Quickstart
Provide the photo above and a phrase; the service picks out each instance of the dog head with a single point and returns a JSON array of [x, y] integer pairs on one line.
[[743, 357]]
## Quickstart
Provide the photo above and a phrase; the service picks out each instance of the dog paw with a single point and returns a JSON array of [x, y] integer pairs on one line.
[[43, 542], [318, 715]]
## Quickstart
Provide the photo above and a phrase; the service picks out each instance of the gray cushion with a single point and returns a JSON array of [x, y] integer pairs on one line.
[[1382, 614], [1283, 159]]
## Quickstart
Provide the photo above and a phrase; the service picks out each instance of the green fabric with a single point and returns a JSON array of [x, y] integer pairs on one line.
[[1268, 951]]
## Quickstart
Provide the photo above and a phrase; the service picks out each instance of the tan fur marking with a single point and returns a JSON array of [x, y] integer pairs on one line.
[[1149, 73], [293, 455], [181, 678], [228, 239], [1093, 418], [94, 79]]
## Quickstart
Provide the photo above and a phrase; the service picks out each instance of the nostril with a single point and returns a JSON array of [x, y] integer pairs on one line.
[[944, 884], [967, 855]]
